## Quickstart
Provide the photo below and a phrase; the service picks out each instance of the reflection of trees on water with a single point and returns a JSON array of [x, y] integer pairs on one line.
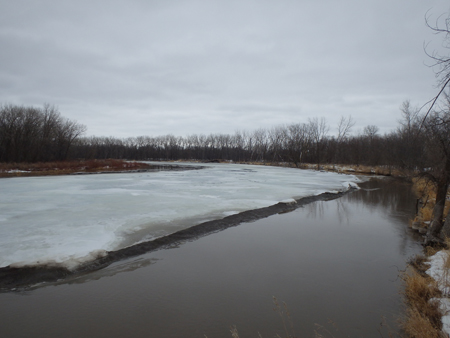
[[317, 210], [389, 194], [386, 198], [343, 211]]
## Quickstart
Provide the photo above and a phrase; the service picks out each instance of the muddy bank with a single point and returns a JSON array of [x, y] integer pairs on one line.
[[19, 278]]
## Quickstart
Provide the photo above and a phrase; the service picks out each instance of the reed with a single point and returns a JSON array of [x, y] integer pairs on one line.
[[423, 315]]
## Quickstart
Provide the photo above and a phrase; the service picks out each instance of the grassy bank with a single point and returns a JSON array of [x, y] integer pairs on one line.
[[423, 291], [421, 294]]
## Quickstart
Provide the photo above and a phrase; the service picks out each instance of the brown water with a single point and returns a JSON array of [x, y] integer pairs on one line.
[[334, 263]]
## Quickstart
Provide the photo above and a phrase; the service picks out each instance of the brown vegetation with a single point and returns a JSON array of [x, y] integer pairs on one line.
[[426, 193], [423, 315], [422, 295], [68, 167]]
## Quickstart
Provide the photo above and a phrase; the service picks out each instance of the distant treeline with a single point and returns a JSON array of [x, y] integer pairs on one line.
[[295, 143], [29, 134]]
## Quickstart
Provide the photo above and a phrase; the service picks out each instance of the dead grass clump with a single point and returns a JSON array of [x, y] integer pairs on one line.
[[432, 250], [423, 317], [423, 186], [419, 289], [419, 264], [425, 190], [418, 326]]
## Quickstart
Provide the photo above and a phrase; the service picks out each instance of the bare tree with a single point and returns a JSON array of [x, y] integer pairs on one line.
[[441, 62], [436, 122], [344, 127], [35, 134], [297, 142], [371, 131], [437, 127], [318, 130]]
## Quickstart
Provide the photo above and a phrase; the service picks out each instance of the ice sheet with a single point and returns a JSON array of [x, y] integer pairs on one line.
[[69, 218]]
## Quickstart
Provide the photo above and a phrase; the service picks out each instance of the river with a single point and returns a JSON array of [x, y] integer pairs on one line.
[[335, 264]]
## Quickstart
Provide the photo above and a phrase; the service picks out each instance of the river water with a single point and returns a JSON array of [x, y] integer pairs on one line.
[[335, 263]]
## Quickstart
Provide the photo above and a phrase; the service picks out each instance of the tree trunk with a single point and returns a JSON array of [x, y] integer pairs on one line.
[[445, 232], [438, 211]]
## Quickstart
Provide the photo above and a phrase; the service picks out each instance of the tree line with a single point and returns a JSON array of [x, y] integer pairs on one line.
[[295, 143], [30, 134]]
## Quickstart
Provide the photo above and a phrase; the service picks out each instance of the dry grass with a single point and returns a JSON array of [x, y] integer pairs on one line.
[[66, 167], [425, 190], [283, 311], [419, 264], [423, 316], [419, 326]]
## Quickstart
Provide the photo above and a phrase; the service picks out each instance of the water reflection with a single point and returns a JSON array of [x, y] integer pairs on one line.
[[387, 193], [378, 197], [391, 195], [343, 212]]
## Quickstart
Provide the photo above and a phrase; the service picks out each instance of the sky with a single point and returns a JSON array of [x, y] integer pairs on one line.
[[157, 67]]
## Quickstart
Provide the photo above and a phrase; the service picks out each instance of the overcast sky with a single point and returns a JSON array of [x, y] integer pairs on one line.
[[154, 67]]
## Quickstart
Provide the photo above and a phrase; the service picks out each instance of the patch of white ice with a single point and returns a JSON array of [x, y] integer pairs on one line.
[[64, 218]]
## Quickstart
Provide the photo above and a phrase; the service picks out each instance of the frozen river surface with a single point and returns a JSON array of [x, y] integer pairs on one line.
[[70, 219]]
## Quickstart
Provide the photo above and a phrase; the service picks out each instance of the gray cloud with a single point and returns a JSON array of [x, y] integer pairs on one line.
[[133, 68]]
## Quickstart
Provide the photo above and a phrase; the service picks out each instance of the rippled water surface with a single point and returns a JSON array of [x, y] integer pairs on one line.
[[334, 263]]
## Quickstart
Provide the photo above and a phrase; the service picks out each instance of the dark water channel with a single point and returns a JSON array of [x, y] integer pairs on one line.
[[334, 263]]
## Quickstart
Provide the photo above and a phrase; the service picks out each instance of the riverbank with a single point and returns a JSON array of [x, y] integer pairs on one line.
[[351, 169], [83, 167], [69, 167], [120, 166], [426, 295], [427, 285]]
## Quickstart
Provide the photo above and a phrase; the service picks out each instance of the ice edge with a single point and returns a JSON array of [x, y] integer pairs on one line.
[[17, 277]]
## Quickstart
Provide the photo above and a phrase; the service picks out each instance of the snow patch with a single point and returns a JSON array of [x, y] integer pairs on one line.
[[15, 171], [288, 201], [350, 185], [438, 272], [441, 275]]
